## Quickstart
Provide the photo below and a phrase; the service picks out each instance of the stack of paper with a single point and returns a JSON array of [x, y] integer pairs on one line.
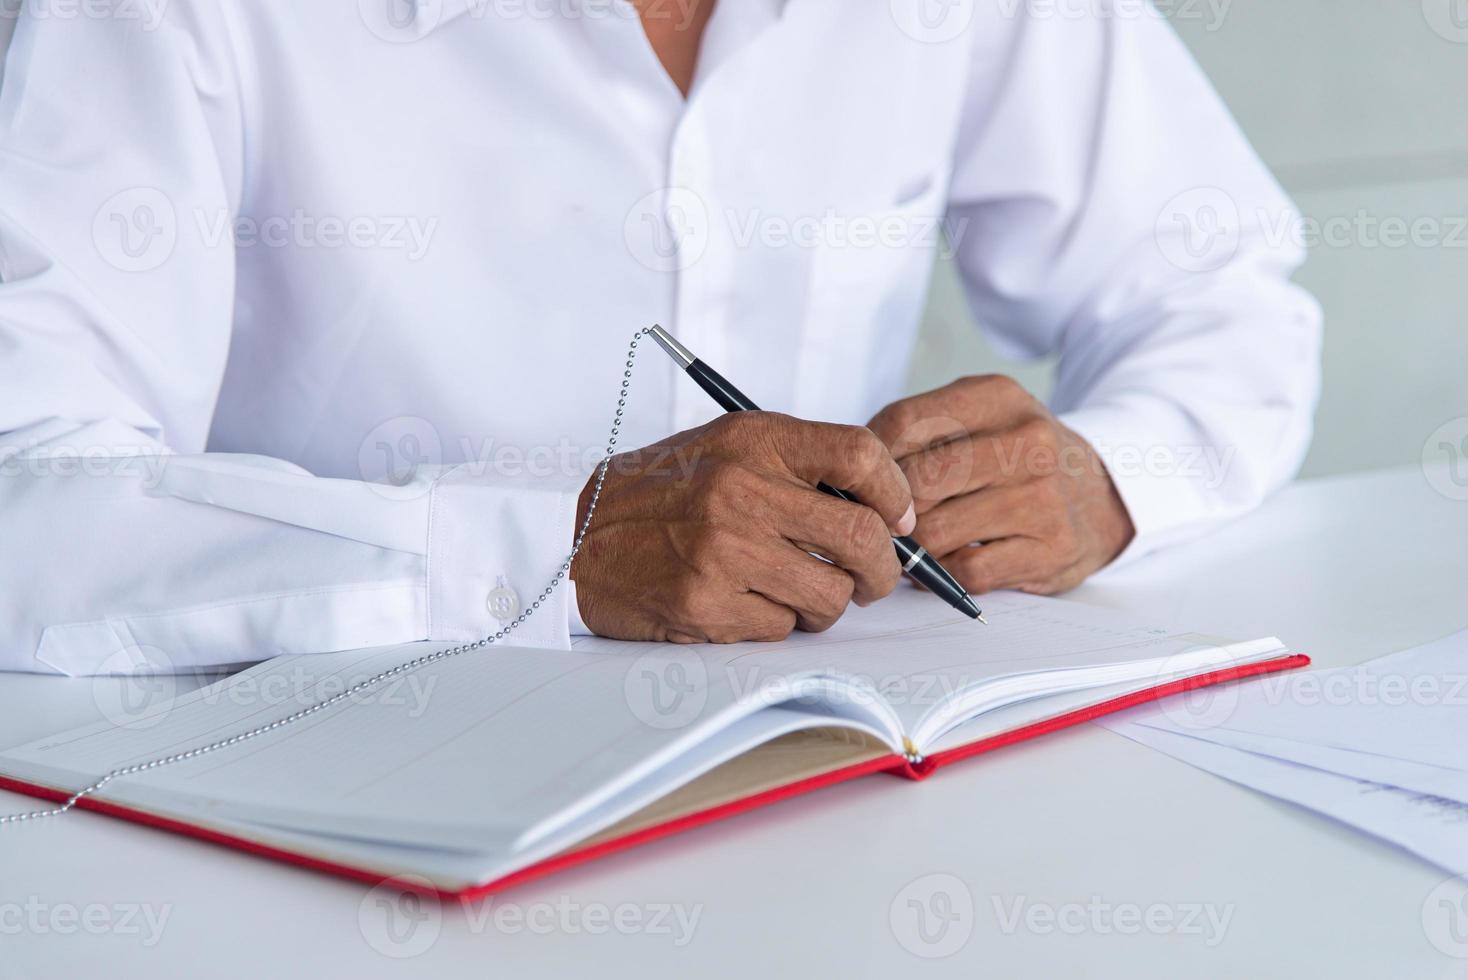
[[1382, 747]]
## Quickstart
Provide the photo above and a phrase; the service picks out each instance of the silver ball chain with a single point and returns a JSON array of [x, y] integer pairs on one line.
[[403, 668]]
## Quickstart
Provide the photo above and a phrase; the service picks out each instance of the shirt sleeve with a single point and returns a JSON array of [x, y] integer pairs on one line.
[[1105, 207], [126, 546]]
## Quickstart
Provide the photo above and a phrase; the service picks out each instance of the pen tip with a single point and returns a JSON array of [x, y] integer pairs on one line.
[[971, 608]]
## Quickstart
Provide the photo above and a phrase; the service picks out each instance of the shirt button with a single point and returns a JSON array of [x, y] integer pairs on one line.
[[503, 603]]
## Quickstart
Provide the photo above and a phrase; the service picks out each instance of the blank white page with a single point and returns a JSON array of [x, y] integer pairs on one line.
[[919, 652], [485, 750], [488, 749]]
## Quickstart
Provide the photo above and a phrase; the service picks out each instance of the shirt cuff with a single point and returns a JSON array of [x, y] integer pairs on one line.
[[573, 612], [494, 544], [1159, 468]]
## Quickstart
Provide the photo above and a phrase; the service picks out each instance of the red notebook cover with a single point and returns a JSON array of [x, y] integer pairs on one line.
[[896, 765]]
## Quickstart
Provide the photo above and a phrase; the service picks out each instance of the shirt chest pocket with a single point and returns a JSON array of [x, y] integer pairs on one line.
[[869, 275]]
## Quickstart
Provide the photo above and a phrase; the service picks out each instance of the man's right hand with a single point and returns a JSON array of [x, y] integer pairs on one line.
[[709, 535]]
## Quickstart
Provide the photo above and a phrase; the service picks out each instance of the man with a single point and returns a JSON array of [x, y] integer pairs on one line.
[[311, 314]]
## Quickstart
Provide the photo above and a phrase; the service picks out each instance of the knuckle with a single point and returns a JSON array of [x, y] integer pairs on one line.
[[1069, 579], [978, 582], [1066, 544], [742, 430], [764, 420], [833, 593], [1046, 499], [776, 438], [935, 529], [764, 426], [822, 614], [727, 482], [863, 449], [726, 426], [880, 578], [774, 629], [895, 418], [1046, 585], [1004, 385], [926, 480], [686, 599], [866, 532], [973, 381], [1037, 431], [941, 471], [890, 574], [972, 573], [773, 426], [1039, 454]]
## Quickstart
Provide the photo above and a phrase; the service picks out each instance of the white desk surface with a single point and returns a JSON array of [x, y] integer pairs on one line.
[[1343, 569]]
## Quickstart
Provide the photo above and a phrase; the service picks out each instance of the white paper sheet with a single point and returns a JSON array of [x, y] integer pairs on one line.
[[1433, 828], [1401, 720], [1382, 746]]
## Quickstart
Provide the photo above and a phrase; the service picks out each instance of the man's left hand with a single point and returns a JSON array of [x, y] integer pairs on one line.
[[1007, 497]]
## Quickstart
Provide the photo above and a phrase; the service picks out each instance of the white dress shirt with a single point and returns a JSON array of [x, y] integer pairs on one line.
[[313, 314]]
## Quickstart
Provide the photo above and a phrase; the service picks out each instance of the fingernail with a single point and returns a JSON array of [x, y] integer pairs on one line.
[[908, 522]]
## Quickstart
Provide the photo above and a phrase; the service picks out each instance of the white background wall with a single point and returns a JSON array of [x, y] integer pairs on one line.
[[1361, 108]]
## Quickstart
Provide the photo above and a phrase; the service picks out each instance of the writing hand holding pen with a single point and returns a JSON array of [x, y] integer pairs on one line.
[[916, 561], [710, 535]]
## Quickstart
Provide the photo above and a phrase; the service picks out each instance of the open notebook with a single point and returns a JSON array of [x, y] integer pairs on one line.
[[479, 771]]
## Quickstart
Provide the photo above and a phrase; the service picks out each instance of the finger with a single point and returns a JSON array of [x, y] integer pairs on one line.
[[964, 465], [849, 457], [967, 405], [987, 515], [850, 535], [734, 618], [1009, 563], [816, 590], [761, 620]]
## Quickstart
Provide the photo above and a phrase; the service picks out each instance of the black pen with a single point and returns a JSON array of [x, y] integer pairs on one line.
[[916, 561]]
